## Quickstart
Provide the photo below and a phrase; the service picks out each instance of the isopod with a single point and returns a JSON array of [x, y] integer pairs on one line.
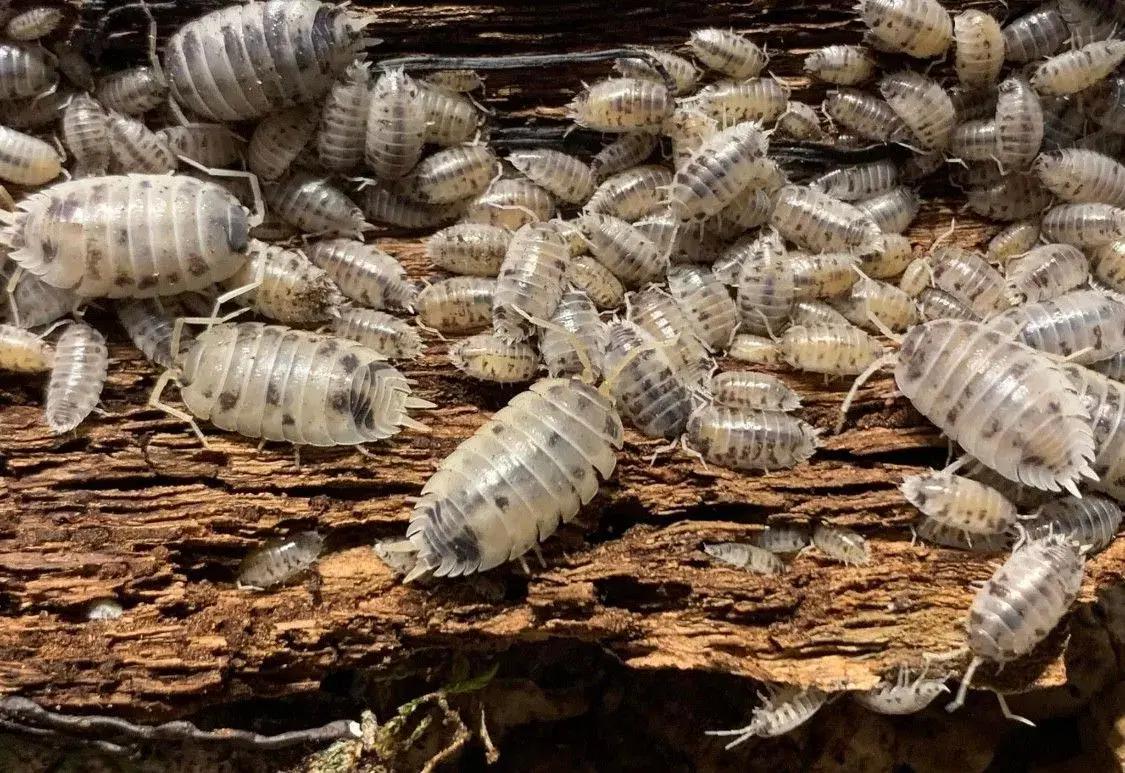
[[1035, 35], [748, 439], [967, 276], [244, 61], [870, 298], [918, 28], [510, 485], [451, 118], [758, 391], [461, 81], [25, 71], [1073, 71], [960, 502], [392, 337], [469, 248], [286, 287], [584, 346], [34, 23], [451, 175], [718, 172], [72, 64], [821, 276], [766, 288], [1014, 197], [484, 356], [383, 206], [862, 181], [1084, 225], [132, 91], [783, 710], [1019, 124], [687, 129], [280, 560], [396, 126], [279, 138], [1082, 176], [938, 533], [136, 148], [783, 539], [922, 104], [22, 351], [801, 122], [512, 204], [755, 350], [632, 194], [315, 205], [683, 73], [531, 280], [27, 160], [749, 557], [938, 304], [587, 274], [365, 273], [74, 235], [33, 302], [833, 350], [730, 102], [821, 223], [567, 177], [1091, 522], [622, 105], [893, 211], [974, 140], [1020, 604], [808, 313], [1103, 398], [104, 609], [625, 152], [840, 544], [1046, 272], [209, 144], [151, 327], [841, 65], [78, 374], [979, 49], [727, 52], [460, 304], [647, 389], [657, 313], [892, 261], [342, 135], [710, 310], [1012, 240], [901, 696], [622, 248]]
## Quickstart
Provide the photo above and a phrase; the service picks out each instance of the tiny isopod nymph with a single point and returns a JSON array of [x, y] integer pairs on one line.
[[760, 391], [748, 439], [77, 377], [841, 65], [959, 502], [840, 544], [279, 561], [27, 160], [487, 358], [390, 336], [744, 556]]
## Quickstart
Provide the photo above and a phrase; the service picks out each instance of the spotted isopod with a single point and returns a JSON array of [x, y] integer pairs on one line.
[[1035, 35], [1082, 176], [244, 61], [657, 313], [893, 211], [625, 152], [451, 118], [280, 560], [841, 544], [868, 298], [748, 439], [151, 326], [729, 102], [451, 175], [960, 502], [862, 181], [938, 304], [383, 206], [727, 52], [918, 28], [136, 148], [73, 235], [923, 105], [22, 351], [1111, 367], [392, 337], [279, 138], [622, 105], [755, 350], [1020, 604], [469, 248], [979, 49], [749, 557], [1046, 272], [531, 280], [34, 23], [460, 304], [577, 315], [974, 140], [710, 310], [396, 126], [808, 313], [315, 205], [1014, 197], [25, 71], [841, 65], [509, 486], [632, 194], [286, 287], [783, 709], [801, 122], [1103, 398], [78, 374], [937, 533], [970, 278], [27, 160], [511, 203], [683, 73], [210, 144], [1073, 71], [1084, 225], [766, 289], [687, 129], [587, 274], [567, 177], [1019, 124], [648, 390], [622, 248], [821, 223], [783, 539], [865, 114], [1092, 521], [461, 81], [365, 273], [825, 275], [722, 167], [758, 391], [342, 135], [132, 91], [487, 358], [901, 696], [37, 112], [895, 256], [832, 350], [1012, 240]]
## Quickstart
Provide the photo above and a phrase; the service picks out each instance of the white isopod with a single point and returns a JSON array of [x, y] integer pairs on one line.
[[77, 376], [840, 544], [783, 709], [279, 561], [960, 503], [901, 696]]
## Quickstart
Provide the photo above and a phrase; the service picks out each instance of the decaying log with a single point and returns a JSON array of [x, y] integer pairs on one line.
[[132, 507]]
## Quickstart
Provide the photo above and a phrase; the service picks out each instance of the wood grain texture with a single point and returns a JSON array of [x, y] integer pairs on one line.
[[131, 505]]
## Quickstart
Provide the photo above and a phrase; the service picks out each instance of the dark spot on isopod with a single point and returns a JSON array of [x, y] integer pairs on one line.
[[349, 362], [227, 400], [502, 502], [339, 402], [497, 428], [196, 266], [146, 282], [273, 394], [287, 420]]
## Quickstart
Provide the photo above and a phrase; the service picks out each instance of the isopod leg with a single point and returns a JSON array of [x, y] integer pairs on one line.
[[258, 215], [962, 690], [154, 401], [860, 380], [1008, 712], [10, 289]]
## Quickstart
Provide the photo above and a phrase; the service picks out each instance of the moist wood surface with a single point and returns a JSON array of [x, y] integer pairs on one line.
[[131, 506]]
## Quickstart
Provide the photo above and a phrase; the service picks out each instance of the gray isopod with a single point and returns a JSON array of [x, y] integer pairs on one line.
[[710, 310], [861, 181], [280, 560], [136, 148], [475, 249], [383, 206], [77, 376], [644, 384], [631, 194], [749, 557], [25, 71], [365, 273], [151, 326], [392, 337], [315, 205], [918, 28], [783, 539], [758, 391], [132, 91], [341, 137], [865, 114], [279, 138], [1045, 272], [1035, 35], [460, 304], [840, 544], [1092, 521], [34, 23]]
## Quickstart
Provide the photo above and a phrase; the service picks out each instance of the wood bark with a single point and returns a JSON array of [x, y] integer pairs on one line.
[[132, 506]]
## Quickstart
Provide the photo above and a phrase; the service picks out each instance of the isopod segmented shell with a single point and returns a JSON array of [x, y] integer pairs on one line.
[[396, 126], [1092, 521], [622, 105], [27, 160], [841, 65], [484, 356], [392, 337], [365, 273], [342, 135], [759, 391], [918, 28], [647, 388], [727, 52], [279, 561], [840, 544], [834, 350], [22, 351], [979, 49], [279, 138], [586, 343], [960, 502], [460, 304], [567, 177], [315, 205], [469, 248], [744, 556], [77, 376], [531, 280], [749, 439]]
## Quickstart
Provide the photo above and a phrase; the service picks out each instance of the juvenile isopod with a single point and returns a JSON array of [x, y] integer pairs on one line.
[[933, 531], [922, 104], [821, 223], [730, 102], [27, 160], [727, 52], [25, 71], [460, 304], [484, 356], [104, 609], [132, 91], [1073, 71], [970, 278], [392, 337], [783, 709], [597, 281], [901, 696], [511, 203], [22, 351], [721, 169], [1103, 398], [625, 152], [567, 177], [833, 350], [870, 298], [1092, 521], [275, 383], [979, 49], [808, 313], [1080, 176], [801, 122], [1035, 35], [960, 503], [758, 391], [315, 205], [469, 248], [683, 73], [279, 561], [1046, 272], [632, 194], [136, 148], [648, 389], [585, 340], [286, 287], [622, 105], [1084, 225], [74, 235], [396, 126], [279, 138], [151, 327], [365, 273], [657, 313], [862, 181], [755, 350], [509, 486], [531, 280], [451, 175], [622, 248], [33, 302], [78, 374], [1021, 603], [864, 114], [460, 81], [841, 65], [840, 544], [244, 61], [783, 539], [1012, 240], [383, 206], [710, 310], [749, 557], [1014, 197], [893, 211], [1019, 124], [766, 287], [749, 439], [34, 23], [341, 137], [210, 144]]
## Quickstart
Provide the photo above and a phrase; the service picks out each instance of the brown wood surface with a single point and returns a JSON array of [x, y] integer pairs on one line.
[[131, 505]]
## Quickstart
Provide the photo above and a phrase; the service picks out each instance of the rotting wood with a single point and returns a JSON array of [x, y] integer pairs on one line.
[[131, 506]]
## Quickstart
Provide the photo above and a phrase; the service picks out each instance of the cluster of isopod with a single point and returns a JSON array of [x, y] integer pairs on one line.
[[624, 276]]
